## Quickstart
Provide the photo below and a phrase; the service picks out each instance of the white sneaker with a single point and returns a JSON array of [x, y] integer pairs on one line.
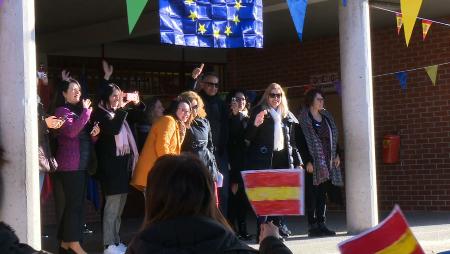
[[122, 247], [113, 249]]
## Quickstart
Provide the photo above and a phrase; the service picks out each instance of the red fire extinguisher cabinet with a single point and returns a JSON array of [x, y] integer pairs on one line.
[[391, 149]]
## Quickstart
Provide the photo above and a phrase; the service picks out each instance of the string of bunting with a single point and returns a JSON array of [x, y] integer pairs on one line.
[[426, 23]]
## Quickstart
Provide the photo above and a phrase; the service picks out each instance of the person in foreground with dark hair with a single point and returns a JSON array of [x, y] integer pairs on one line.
[[181, 215]]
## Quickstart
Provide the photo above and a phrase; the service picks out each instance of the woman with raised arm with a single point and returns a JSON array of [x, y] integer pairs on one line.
[[272, 140]]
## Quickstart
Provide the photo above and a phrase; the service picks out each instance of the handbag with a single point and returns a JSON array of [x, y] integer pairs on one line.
[[47, 163]]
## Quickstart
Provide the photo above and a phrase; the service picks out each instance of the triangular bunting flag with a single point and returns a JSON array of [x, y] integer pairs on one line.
[[344, 3], [392, 235], [402, 77], [134, 11], [297, 8], [432, 73], [398, 16], [410, 10], [426, 24]]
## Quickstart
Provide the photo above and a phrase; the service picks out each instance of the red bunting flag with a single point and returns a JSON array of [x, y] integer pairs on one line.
[[275, 192], [426, 24], [392, 235], [399, 19]]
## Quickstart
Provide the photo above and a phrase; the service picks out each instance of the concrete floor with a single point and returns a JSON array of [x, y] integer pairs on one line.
[[432, 229]]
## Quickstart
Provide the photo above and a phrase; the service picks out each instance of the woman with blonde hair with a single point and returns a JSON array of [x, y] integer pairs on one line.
[[165, 137], [198, 138], [272, 140]]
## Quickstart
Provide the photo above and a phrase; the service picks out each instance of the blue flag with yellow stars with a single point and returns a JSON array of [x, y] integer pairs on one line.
[[212, 23]]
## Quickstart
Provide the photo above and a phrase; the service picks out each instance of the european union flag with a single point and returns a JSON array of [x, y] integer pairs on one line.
[[212, 23]]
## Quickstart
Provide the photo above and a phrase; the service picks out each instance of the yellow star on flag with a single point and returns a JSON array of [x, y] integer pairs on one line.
[[216, 33], [193, 15], [201, 28], [189, 2], [228, 31], [236, 19], [238, 5]]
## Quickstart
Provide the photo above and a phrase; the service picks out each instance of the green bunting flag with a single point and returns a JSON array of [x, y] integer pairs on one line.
[[432, 73], [134, 11]]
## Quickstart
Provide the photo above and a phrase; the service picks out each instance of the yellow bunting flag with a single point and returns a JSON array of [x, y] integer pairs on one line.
[[426, 24], [432, 73], [410, 10], [398, 16]]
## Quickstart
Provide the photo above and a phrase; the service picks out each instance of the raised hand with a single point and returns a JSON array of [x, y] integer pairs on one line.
[[197, 71], [259, 119], [268, 229], [95, 130], [107, 69], [86, 103], [65, 75]]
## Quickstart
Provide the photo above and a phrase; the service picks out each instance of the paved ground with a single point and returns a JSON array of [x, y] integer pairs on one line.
[[431, 229]]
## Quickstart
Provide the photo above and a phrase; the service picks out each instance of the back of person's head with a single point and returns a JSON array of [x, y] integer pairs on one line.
[[180, 186]]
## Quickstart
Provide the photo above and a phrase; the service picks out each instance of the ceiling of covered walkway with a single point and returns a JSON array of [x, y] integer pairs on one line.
[[69, 24]]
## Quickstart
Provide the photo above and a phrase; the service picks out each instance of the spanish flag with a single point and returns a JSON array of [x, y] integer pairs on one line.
[[392, 235], [275, 192]]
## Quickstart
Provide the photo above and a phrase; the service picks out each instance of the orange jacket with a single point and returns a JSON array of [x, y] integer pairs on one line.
[[164, 138]]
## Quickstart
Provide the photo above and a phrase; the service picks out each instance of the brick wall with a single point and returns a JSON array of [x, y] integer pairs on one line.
[[421, 115]]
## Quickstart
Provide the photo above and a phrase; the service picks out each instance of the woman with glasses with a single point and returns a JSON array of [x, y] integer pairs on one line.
[[322, 162], [237, 147], [272, 140], [198, 138], [165, 137]]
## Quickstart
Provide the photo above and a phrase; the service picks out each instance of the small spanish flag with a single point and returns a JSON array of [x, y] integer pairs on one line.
[[426, 24], [275, 192], [392, 235]]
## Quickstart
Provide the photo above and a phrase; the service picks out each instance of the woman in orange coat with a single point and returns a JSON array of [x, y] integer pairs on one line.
[[165, 137]]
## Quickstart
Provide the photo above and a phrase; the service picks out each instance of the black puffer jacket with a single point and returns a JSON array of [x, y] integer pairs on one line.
[[198, 140], [197, 235], [237, 146], [261, 139]]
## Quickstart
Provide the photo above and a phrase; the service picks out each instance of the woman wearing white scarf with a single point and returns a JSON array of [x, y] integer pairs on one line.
[[117, 155], [272, 143]]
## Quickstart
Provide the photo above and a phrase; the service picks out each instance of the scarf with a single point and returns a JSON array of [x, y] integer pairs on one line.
[[323, 170], [278, 139], [125, 143], [182, 130]]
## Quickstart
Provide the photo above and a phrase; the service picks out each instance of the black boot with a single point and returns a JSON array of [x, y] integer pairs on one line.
[[325, 231], [243, 234], [314, 230]]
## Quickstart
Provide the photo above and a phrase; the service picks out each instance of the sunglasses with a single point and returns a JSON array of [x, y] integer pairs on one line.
[[273, 95], [212, 84]]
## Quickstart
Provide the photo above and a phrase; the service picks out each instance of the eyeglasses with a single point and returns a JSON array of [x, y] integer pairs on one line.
[[239, 99], [273, 95], [216, 85]]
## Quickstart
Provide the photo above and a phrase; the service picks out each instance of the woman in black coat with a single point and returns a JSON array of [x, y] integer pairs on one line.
[[272, 139], [116, 155], [198, 139], [181, 217], [237, 148]]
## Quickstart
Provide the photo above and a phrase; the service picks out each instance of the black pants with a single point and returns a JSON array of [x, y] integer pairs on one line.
[[222, 163], [70, 192], [238, 207], [315, 200]]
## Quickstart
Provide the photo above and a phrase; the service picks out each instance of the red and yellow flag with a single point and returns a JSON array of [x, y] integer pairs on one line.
[[275, 192], [426, 24], [398, 17], [392, 235]]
